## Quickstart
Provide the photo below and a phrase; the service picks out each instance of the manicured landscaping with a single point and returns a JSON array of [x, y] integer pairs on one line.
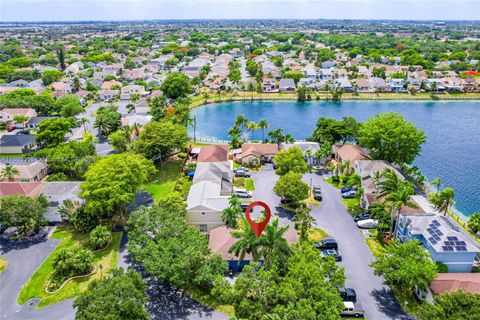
[[352, 205], [164, 180], [3, 264], [35, 287]]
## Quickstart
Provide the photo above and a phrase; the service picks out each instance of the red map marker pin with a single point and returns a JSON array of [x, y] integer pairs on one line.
[[258, 227]]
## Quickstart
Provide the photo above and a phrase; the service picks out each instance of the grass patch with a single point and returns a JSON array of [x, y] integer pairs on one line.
[[164, 180], [13, 155], [209, 300], [35, 287], [244, 183], [249, 185], [407, 300], [3, 264], [375, 247], [336, 184], [316, 234], [352, 205]]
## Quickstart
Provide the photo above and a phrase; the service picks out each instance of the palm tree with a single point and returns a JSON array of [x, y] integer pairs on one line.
[[241, 121], [436, 182], [82, 121], [289, 138], [443, 200], [398, 199], [252, 126], [247, 242], [263, 124], [274, 246], [9, 173], [76, 86], [231, 213]]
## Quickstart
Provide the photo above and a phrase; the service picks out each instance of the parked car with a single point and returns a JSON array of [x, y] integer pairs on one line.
[[346, 189], [352, 309], [317, 194], [332, 252], [367, 224], [361, 216], [242, 193], [244, 206], [348, 294], [349, 194], [242, 172], [317, 189], [327, 243]]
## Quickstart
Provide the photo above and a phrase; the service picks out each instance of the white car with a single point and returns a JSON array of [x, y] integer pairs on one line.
[[242, 193], [367, 224]]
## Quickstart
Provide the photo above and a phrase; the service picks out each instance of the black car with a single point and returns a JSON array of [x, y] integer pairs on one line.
[[327, 243], [317, 189], [244, 206], [361, 216], [317, 196], [348, 294], [333, 253]]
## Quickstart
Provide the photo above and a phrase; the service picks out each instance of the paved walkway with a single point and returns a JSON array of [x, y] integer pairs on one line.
[[377, 299]]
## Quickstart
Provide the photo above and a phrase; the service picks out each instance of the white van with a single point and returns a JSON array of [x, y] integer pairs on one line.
[[242, 193]]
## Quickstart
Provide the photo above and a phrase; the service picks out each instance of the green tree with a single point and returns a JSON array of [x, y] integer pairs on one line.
[[331, 130], [107, 120], [9, 173], [436, 182], [52, 131], [302, 93], [21, 119], [176, 85], [69, 105], [451, 305], [303, 223], [113, 181], [22, 212], [443, 200], [474, 222], [295, 75], [288, 160], [173, 251], [275, 249], [99, 237], [118, 140], [263, 124], [76, 85], [120, 295], [160, 139], [389, 137], [50, 76], [232, 212], [69, 262], [291, 186], [405, 265], [61, 58], [247, 242]]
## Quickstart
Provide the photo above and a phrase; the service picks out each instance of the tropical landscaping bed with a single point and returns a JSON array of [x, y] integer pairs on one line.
[[37, 284]]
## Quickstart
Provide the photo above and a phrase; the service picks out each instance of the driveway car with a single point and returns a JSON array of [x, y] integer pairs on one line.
[[331, 252], [367, 224], [352, 309], [349, 194], [327, 243], [361, 216], [242, 193], [348, 294]]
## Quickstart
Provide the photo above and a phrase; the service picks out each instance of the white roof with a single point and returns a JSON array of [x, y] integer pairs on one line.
[[206, 194]]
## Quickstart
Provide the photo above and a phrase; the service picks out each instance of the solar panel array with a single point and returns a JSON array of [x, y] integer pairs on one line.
[[451, 244]]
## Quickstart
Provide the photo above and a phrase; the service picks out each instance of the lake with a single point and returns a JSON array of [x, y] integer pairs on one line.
[[451, 152]]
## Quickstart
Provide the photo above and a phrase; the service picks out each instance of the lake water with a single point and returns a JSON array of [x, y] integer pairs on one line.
[[451, 152]]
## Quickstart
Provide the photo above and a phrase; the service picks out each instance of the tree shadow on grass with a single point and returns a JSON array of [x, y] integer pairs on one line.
[[388, 304]]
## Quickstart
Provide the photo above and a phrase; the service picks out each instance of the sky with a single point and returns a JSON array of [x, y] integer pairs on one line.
[[90, 10]]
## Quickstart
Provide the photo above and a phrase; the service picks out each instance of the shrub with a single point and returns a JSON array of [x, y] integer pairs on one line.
[[99, 237], [335, 179], [73, 262], [182, 155], [82, 220], [441, 267]]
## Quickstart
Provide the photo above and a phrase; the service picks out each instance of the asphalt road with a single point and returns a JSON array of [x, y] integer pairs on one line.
[[331, 216], [24, 258]]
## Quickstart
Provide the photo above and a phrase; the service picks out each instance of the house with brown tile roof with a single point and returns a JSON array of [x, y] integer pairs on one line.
[[107, 85], [350, 152], [214, 153], [29, 189], [448, 282], [29, 169], [7, 114], [261, 152]]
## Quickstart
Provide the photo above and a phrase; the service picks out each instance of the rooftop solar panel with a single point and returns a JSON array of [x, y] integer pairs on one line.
[[461, 248], [447, 248], [452, 238]]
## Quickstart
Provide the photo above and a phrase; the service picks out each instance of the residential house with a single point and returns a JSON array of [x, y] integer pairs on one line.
[[397, 84], [269, 85], [471, 84], [363, 85], [136, 119], [343, 83], [256, 152], [449, 282], [213, 153], [57, 193], [19, 83], [286, 85], [195, 66], [33, 122], [325, 74], [133, 74], [221, 240], [128, 91], [307, 82], [29, 189], [61, 88], [452, 84], [108, 94], [7, 114], [142, 107], [308, 149], [216, 172], [270, 70], [310, 72], [108, 85], [442, 238], [18, 143], [113, 69], [435, 85], [30, 169], [349, 152], [379, 85]]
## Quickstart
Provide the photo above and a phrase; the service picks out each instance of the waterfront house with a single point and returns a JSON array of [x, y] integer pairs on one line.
[[363, 85], [30, 169], [350, 152], [213, 153], [308, 149], [307, 82], [221, 240], [269, 85], [397, 84], [287, 85], [18, 143], [343, 83], [309, 72], [442, 238], [325, 74], [256, 152]]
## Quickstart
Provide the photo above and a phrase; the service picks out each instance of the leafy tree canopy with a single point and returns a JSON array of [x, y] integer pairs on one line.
[[452, 305], [291, 186], [160, 139], [52, 131], [175, 85], [290, 160], [23, 212]]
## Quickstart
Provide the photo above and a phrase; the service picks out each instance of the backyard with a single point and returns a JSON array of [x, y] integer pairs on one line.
[[35, 287], [165, 179]]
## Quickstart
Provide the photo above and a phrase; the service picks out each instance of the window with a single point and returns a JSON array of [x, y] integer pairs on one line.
[[203, 213], [203, 227]]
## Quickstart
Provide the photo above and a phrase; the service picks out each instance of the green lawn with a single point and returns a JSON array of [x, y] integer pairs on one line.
[[3, 264], [407, 300], [164, 181], [35, 287], [209, 300], [317, 234], [246, 183], [352, 205]]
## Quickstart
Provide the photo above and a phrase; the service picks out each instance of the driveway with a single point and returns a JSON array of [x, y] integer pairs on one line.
[[331, 216], [24, 258]]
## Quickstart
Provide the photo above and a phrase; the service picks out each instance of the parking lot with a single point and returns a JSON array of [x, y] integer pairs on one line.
[[332, 217]]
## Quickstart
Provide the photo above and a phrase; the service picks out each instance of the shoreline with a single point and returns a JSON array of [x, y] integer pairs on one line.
[[199, 100]]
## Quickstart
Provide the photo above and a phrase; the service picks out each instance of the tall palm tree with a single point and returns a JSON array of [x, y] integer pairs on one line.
[[9, 173], [252, 126], [436, 182], [82, 121], [263, 124], [274, 246], [247, 242], [443, 200], [398, 199]]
